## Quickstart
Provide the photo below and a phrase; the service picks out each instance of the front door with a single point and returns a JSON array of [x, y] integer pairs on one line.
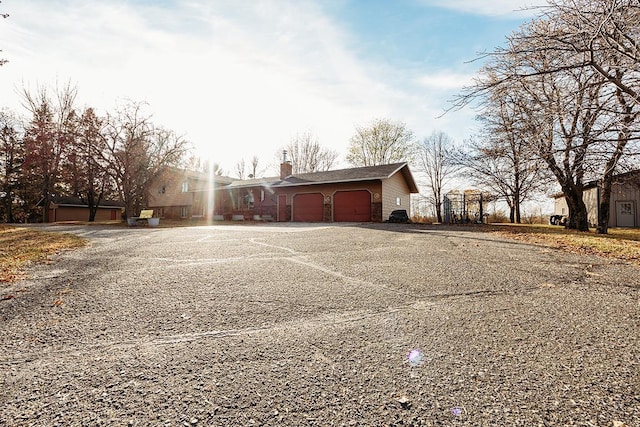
[[625, 214]]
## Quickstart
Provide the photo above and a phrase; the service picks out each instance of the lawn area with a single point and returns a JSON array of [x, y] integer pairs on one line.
[[620, 243], [21, 246]]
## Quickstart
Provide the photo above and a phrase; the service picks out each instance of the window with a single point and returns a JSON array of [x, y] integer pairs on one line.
[[162, 189], [262, 195], [185, 186], [160, 212], [184, 212], [398, 201]]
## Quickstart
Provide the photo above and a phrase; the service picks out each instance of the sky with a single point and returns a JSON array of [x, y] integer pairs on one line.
[[241, 78]]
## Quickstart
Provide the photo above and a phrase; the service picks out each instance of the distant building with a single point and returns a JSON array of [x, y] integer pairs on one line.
[[625, 195], [75, 209]]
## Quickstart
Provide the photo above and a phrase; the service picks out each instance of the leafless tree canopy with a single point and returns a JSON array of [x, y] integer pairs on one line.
[[138, 151], [569, 79], [382, 142], [307, 155], [436, 162]]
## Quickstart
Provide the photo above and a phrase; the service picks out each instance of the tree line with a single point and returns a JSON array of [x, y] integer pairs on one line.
[[62, 150]]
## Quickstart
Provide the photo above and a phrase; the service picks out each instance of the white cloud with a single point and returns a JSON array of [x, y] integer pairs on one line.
[[236, 78]]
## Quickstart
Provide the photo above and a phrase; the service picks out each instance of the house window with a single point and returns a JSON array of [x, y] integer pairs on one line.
[[262, 195], [160, 212], [398, 201], [184, 212], [162, 189], [185, 186]]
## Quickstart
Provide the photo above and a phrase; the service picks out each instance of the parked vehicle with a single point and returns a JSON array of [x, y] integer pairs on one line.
[[399, 215], [558, 220]]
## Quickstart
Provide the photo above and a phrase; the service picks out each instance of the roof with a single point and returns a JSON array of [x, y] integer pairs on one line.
[[78, 202], [366, 173], [621, 178], [199, 176]]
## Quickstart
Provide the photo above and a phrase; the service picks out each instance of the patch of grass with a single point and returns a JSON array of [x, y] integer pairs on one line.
[[21, 246], [622, 244]]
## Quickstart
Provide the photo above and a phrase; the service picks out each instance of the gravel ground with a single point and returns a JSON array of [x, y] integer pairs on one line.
[[320, 325]]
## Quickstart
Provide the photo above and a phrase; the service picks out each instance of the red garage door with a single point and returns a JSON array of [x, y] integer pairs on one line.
[[308, 207], [352, 206]]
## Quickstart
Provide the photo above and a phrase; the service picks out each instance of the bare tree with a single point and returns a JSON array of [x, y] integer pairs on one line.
[[575, 94], [501, 159], [85, 167], [255, 161], [307, 155], [195, 163], [437, 164], [138, 152], [601, 35], [382, 142], [241, 169]]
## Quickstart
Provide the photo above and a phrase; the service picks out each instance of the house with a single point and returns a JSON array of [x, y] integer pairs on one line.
[[364, 194], [75, 209], [625, 196], [181, 194]]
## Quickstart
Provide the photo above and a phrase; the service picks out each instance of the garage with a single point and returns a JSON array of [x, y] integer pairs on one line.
[[308, 207], [352, 206]]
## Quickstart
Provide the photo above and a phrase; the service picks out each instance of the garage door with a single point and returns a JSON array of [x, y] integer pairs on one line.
[[352, 206], [308, 207]]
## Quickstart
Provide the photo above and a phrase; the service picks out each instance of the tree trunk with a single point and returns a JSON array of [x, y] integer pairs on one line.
[[93, 206], [45, 208], [439, 210], [604, 204], [512, 210], [578, 219]]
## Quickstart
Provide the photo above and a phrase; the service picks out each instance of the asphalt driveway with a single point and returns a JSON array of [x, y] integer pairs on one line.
[[320, 325]]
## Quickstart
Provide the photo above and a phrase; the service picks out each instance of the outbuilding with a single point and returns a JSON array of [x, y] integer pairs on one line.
[[625, 197], [76, 209]]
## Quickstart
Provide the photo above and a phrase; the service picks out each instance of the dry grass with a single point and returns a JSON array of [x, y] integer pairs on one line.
[[622, 244], [21, 246]]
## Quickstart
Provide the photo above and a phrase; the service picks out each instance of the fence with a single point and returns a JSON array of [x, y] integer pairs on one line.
[[464, 207]]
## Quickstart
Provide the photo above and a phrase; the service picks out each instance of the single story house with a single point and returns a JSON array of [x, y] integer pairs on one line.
[[75, 209], [625, 196], [363, 194]]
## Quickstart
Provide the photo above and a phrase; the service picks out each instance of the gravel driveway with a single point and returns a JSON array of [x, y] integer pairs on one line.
[[320, 325]]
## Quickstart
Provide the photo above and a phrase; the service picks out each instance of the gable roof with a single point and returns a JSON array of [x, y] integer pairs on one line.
[[366, 173]]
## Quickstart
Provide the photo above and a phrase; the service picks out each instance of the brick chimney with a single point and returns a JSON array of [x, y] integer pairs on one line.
[[285, 167]]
